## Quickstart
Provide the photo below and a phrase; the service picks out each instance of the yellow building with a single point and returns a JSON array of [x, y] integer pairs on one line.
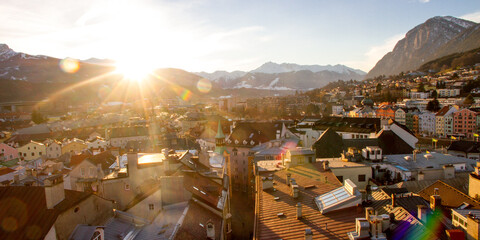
[[75, 146], [31, 151]]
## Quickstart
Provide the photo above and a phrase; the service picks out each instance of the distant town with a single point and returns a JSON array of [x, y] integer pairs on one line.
[[383, 159]]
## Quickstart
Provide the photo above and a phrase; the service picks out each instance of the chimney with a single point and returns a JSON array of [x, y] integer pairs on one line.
[[293, 188], [278, 134], [449, 171], [267, 183], [54, 192], [325, 165], [414, 155], [132, 161], [477, 169], [435, 200], [16, 178], [308, 234], [393, 200], [210, 230], [421, 176], [299, 210], [422, 213], [368, 212], [289, 175], [473, 227]]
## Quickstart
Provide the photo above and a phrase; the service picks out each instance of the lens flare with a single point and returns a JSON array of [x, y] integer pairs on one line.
[[204, 85], [69, 65], [183, 93]]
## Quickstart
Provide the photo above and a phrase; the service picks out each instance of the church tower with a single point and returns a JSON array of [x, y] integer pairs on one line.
[[220, 140]]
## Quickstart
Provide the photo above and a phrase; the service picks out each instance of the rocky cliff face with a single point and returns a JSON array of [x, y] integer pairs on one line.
[[420, 45]]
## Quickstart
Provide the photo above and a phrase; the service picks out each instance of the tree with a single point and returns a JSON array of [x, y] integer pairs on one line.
[[37, 117], [379, 87], [433, 105], [434, 94], [469, 100], [421, 87]]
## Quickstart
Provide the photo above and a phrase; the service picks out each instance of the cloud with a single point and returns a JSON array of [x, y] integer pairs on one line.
[[472, 17], [424, 1], [375, 53]]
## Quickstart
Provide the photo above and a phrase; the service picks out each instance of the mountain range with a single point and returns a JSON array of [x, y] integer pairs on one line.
[[285, 76], [437, 37]]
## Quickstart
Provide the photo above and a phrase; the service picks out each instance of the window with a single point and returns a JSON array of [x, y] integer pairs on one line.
[[361, 178], [92, 171], [33, 154], [151, 206], [127, 186]]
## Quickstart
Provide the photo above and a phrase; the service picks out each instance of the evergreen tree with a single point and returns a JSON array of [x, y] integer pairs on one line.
[[469, 100], [37, 117]]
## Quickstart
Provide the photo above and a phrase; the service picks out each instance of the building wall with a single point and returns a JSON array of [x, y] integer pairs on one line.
[[427, 123], [98, 143], [173, 190], [119, 190], [122, 142], [9, 153], [74, 147], [93, 210], [465, 122], [440, 126], [85, 169], [473, 186], [53, 150], [149, 207], [239, 167], [32, 151], [353, 173]]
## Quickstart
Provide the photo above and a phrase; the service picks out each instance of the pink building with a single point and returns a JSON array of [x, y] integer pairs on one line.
[[464, 122], [7, 153]]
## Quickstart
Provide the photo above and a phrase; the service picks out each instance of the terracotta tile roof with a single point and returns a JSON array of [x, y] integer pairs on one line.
[[203, 188], [24, 208], [443, 111], [406, 225], [146, 189], [5, 170], [77, 159], [311, 184], [253, 132], [196, 215], [348, 124], [105, 159], [451, 197]]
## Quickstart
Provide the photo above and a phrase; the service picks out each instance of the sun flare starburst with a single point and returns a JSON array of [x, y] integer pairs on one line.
[[133, 70]]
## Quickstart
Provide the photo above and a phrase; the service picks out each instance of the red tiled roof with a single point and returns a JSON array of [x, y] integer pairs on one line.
[[203, 187], [443, 111], [5, 170], [451, 197], [332, 225], [196, 215], [24, 214], [77, 159]]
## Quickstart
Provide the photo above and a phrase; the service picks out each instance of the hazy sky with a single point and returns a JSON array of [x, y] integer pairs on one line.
[[202, 35]]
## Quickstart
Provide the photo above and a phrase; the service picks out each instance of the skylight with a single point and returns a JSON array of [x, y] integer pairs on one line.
[[342, 197]]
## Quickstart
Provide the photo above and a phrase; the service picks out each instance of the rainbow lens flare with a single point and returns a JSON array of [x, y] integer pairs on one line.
[[204, 85]]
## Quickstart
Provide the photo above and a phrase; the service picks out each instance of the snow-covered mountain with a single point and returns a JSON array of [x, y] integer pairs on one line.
[[38, 68], [105, 62], [271, 67], [285, 76]]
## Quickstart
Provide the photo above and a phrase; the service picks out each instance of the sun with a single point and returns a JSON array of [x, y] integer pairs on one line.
[[133, 70]]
